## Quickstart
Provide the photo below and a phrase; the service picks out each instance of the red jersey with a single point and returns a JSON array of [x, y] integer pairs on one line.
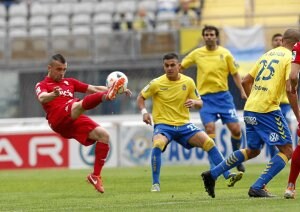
[[296, 53], [68, 87]]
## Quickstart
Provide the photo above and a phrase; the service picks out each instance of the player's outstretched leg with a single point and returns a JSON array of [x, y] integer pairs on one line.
[[113, 90]]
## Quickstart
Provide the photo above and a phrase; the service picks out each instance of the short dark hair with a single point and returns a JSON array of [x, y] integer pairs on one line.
[[210, 28], [170, 56], [276, 35], [59, 58]]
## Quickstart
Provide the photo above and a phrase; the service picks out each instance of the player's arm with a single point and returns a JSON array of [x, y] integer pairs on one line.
[[142, 106], [294, 76], [194, 103], [293, 99], [45, 97], [238, 82], [292, 87], [247, 83], [187, 62], [95, 89]]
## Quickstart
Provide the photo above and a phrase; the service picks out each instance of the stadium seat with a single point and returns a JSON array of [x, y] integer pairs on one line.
[[61, 9], [102, 18], [126, 7], [18, 32], [105, 7], [59, 31], [2, 44], [102, 29], [149, 5], [165, 20], [38, 20], [2, 11], [17, 21], [59, 20], [48, 1], [20, 9], [81, 19], [38, 32], [83, 8], [81, 30], [3, 23], [37, 9], [81, 43]]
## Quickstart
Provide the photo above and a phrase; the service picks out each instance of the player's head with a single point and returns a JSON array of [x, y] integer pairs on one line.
[[57, 67], [171, 65], [290, 37], [210, 35], [276, 40]]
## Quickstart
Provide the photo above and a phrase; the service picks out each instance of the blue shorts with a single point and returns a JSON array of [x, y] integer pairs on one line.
[[270, 128], [180, 134], [218, 106], [285, 109]]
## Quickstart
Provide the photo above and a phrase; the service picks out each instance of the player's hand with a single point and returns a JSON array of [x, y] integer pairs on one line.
[[56, 91], [128, 92], [244, 95], [147, 119], [189, 103]]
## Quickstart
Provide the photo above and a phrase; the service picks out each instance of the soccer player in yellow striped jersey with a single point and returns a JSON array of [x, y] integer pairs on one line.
[[173, 95], [214, 64], [264, 85]]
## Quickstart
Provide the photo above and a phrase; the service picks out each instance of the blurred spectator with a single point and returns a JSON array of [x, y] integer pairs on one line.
[[186, 16], [122, 22], [144, 20]]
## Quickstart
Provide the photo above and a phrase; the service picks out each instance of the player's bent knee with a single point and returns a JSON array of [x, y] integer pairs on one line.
[[159, 144], [208, 144]]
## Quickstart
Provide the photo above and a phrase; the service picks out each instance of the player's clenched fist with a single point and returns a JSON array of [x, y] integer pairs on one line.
[[56, 91]]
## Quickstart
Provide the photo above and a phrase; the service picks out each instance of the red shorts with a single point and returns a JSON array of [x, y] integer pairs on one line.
[[79, 129]]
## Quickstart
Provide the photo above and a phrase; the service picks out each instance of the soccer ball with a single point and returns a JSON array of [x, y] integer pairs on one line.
[[112, 77]]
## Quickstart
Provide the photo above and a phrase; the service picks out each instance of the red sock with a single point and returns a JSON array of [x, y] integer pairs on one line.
[[295, 166], [101, 152], [92, 100]]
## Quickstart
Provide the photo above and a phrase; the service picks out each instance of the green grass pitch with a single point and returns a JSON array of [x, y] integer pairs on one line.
[[128, 189]]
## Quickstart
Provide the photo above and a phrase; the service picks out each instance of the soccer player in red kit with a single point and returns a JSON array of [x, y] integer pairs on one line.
[[65, 112], [295, 163]]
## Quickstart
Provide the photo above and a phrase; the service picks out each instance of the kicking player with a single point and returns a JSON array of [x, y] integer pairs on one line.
[[295, 162], [65, 112], [214, 64], [264, 121], [173, 95]]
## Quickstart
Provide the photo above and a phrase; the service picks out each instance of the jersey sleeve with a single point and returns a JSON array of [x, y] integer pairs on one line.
[[78, 85], [149, 90], [193, 90], [188, 60], [232, 64], [253, 71], [296, 53], [40, 88]]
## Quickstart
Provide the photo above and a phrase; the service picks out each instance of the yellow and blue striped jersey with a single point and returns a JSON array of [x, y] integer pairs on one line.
[[168, 98], [213, 68], [270, 74]]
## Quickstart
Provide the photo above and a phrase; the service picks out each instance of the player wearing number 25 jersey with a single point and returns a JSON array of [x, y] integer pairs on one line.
[[264, 85]]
